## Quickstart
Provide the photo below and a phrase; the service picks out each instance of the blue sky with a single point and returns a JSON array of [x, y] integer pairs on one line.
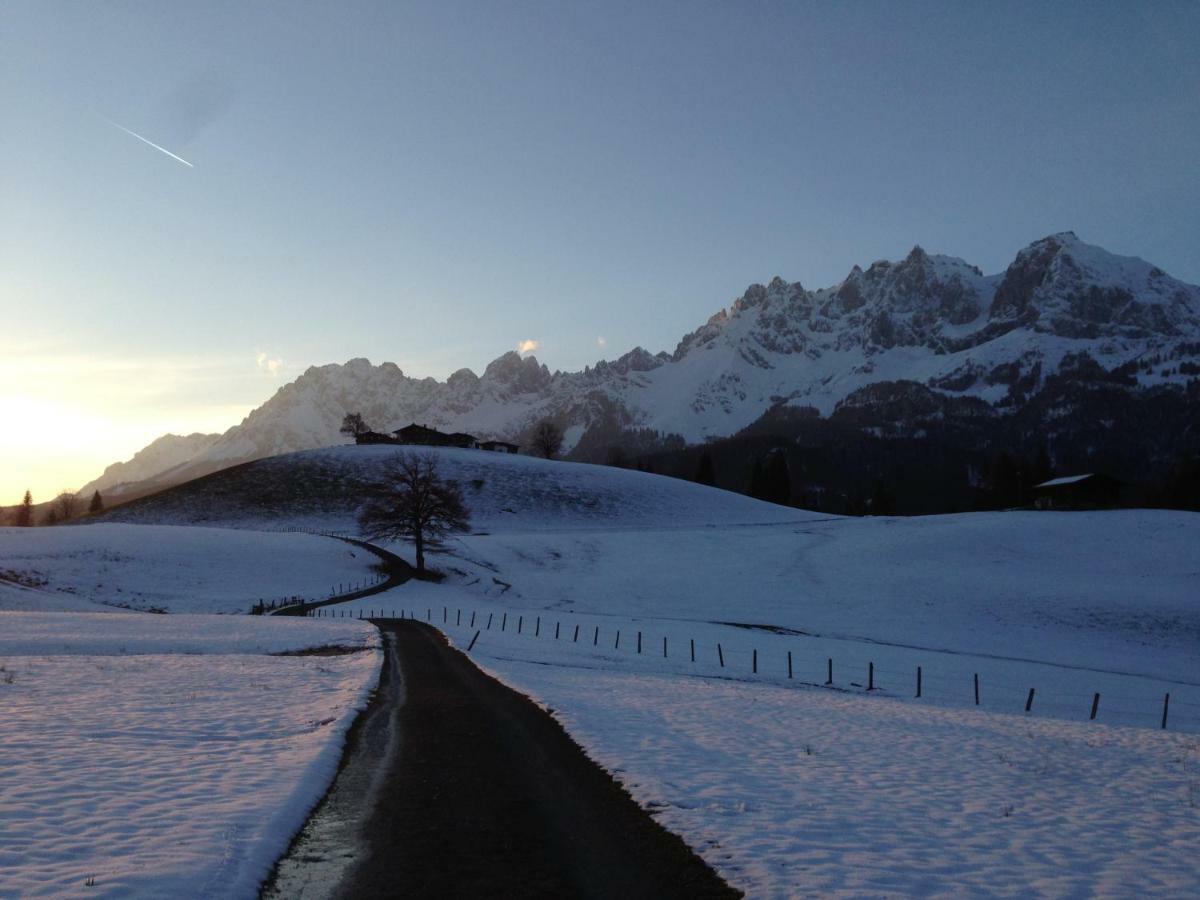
[[433, 183]]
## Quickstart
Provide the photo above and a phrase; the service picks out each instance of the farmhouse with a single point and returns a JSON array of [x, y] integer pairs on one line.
[[1091, 491], [423, 435]]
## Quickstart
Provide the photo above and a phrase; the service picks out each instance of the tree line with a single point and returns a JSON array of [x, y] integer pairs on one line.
[[66, 506]]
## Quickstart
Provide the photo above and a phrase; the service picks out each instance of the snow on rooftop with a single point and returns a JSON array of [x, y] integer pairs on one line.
[[1066, 479]]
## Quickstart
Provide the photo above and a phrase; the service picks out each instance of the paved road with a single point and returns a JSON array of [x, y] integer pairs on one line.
[[487, 796], [398, 571]]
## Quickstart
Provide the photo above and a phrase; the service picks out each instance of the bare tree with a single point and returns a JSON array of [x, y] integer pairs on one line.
[[353, 425], [66, 505], [548, 439], [413, 502]]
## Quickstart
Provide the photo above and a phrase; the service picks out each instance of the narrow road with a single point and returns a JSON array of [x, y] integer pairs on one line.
[[487, 796], [398, 571]]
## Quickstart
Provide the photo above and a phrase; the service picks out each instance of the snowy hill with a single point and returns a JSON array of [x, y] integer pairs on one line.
[[323, 489], [933, 321], [1094, 590]]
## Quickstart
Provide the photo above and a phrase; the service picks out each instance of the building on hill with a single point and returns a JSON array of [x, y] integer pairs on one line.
[[499, 447], [373, 437], [1091, 491], [431, 437]]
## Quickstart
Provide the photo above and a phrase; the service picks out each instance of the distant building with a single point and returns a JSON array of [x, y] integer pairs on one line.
[[425, 436], [420, 434], [1091, 491]]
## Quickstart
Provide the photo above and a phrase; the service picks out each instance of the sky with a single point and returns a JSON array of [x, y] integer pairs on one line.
[[435, 184]]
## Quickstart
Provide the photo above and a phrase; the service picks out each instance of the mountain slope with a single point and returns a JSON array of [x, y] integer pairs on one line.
[[153, 460], [933, 320]]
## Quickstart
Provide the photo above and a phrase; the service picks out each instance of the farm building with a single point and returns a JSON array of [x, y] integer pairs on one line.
[[1091, 491]]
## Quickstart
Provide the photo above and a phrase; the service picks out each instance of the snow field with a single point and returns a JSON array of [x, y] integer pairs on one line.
[[812, 793], [171, 569], [733, 653], [166, 756], [789, 788]]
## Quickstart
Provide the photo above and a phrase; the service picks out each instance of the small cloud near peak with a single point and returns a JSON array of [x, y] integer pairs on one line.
[[601, 342], [527, 346], [267, 363]]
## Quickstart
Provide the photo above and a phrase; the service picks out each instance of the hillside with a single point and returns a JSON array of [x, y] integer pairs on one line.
[[1098, 590], [1062, 312], [324, 489]]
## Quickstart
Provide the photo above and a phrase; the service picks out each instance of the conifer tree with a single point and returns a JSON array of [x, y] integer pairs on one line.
[[25, 511]]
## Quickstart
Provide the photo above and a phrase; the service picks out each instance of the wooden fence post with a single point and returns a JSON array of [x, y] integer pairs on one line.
[[520, 623], [471, 645], [692, 642], [870, 676], [472, 625], [1166, 703], [664, 646], [1095, 706], [617, 642], [537, 629], [458, 618], [596, 637], [789, 664], [1029, 701], [720, 654], [557, 626], [575, 640], [754, 661], [639, 642], [489, 624], [829, 677], [918, 681], [504, 622], [976, 688]]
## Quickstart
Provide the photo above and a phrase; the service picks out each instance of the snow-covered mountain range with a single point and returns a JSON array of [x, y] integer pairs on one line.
[[931, 319]]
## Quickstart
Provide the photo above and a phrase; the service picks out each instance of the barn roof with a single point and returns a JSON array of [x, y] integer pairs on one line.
[[1066, 479]]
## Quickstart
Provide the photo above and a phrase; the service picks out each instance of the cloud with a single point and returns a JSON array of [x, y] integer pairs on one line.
[[268, 363], [602, 342], [527, 346]]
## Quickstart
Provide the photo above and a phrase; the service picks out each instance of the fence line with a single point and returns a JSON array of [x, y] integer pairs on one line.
[[914, 684]]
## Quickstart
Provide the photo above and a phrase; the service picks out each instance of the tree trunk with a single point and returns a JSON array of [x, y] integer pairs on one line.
[[419, 540]]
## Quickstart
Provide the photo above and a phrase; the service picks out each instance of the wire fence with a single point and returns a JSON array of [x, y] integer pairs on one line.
[[725, 651]]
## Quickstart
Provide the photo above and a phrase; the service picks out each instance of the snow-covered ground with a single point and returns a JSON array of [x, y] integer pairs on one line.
[[192, 570], [786, 785], [166, 756], [814, 793], [789, 787]]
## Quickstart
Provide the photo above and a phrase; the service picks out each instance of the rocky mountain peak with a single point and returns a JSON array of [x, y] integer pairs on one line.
[[517, 373]]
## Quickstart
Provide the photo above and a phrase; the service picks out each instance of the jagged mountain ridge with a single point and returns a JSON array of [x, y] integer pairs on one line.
[[930, 319]]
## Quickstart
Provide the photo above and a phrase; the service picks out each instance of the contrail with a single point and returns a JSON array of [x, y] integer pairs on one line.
[[151, 143]]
